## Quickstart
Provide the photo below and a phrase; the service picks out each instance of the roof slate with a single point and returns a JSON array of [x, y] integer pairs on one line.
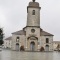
[[9, 38], [44, 33], [56, 41], [22, 32]]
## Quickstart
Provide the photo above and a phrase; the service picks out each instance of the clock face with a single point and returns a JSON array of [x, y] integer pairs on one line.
[[32, 30]]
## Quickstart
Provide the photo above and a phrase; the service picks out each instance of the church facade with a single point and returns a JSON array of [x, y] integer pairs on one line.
[[32, 37]]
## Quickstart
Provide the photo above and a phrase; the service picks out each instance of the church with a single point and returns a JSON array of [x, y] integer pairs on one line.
[[32, 37]]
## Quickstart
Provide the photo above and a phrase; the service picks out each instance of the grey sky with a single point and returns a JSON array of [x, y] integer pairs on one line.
[[13, 16]]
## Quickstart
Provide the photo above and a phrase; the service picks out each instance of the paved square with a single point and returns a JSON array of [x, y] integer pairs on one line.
[[15, 55]]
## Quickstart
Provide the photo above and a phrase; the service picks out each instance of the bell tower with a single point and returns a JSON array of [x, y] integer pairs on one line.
[[33, 14], [33, 26]]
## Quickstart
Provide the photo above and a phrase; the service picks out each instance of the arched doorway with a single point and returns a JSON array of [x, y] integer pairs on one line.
[[17, 46], [32, 46], [47, 48]]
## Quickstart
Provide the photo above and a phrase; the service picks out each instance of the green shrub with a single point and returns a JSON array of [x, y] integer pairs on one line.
[[22, 48], [42, 49]]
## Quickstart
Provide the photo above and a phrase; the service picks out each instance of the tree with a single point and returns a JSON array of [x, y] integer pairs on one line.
[[1, 36]]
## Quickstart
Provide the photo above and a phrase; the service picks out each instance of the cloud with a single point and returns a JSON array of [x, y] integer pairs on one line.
[[13, 15]]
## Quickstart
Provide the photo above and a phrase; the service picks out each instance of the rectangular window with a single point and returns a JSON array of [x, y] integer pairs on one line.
[[47, 40]]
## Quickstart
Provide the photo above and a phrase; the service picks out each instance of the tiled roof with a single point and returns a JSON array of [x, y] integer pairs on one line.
[[44, 33], [9, 38], [20, 32], [56, 41]]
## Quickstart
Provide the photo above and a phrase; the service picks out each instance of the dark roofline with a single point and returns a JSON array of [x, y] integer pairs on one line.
[[15, 32], [46, 33], [9, 38], [56, 41], [20, 32]]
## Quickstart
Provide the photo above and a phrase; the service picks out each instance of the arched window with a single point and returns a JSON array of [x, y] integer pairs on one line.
[[47, 40], [33, 12], [17, 39]]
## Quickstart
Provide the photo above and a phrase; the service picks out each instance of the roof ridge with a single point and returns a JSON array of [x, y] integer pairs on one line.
[[8, 38]]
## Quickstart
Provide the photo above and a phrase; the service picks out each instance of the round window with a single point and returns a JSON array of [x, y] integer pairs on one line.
[[32, 30]]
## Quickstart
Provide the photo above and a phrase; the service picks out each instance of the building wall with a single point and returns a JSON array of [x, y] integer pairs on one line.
[[7, 43], [30, 34], [36, 33], [43, 42], [21, 41]]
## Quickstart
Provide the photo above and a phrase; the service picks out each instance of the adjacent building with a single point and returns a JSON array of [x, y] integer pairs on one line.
[[7, 42], [56, 45]]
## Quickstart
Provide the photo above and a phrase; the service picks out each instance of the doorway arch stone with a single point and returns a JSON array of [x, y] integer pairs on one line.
[[32, 43]]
